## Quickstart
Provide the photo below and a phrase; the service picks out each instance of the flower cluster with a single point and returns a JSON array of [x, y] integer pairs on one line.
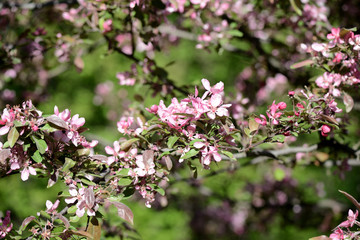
[[340, 59], [5, 225], [310, 113], [342, 231]]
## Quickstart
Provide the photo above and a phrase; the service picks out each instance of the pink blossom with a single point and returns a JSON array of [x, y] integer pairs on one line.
[[107, 25], [7, 119], [85, 200], [124, 124], [50, 207], [335, 36], [291, 93], [355, 42], [217, 89], [216, 109], [210, 153], [273, 114], [338, 234], [116, 152], [325, 129], [144, 166], [27, 171], [350, 219], [263, 121], [202, 3], [5, 225], [64, 115]]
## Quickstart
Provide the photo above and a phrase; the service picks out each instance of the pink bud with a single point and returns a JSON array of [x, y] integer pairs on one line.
[[291, 93], [281, 105], [325, 129]]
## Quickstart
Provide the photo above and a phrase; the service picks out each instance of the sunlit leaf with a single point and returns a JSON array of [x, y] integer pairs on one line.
[[13, 136]]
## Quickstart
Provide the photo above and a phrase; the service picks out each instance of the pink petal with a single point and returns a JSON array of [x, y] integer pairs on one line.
[[206, 84], [216, 100], [25, 174], [4, 130], [199, 144]]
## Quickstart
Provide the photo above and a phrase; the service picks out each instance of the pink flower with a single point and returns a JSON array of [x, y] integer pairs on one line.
[[50, 207], [291, 93], [262, 122], [325, 129], [335, 36], [116, 152], [337, 235], [64, 115], [217, 89], [350, 219], [153, 109], [7, 119], [85, 200], [27, 171], [107, 25], [202, 3], [273, 114], [216, 109], [210, 153], [5, 225]]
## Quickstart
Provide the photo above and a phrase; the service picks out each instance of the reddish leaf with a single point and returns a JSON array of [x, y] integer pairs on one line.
[[94, 229], [348, 101], [4, 154], [64, 220], [148, 158], [26, 222], [123, 211], [322, 237], [79, 64], [57, 122], [352, 199], [89, 197], [302, 64]]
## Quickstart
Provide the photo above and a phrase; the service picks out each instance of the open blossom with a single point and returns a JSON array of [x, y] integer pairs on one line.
[[116, 152], [334, 36], [51, 207], [273, 114], [27, 171], [338, 234], [350, 219], [85, 200], [7, 119], [261, 121], [5, 225], [216, 108]]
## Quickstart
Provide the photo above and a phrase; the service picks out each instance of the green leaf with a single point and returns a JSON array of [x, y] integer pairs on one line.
[[72, 209], [157, 189], [235, 33], [190, 154], [94, 229], [227, 153], [279, 174], [37, 157], [278, 138], [195, 140], [296, 4], [124, 181], [126, 145], [87, 182], [171, 141], [48, 128], [13, 136], [123, 172], [69, 163], [40, 144], [74, 218]]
